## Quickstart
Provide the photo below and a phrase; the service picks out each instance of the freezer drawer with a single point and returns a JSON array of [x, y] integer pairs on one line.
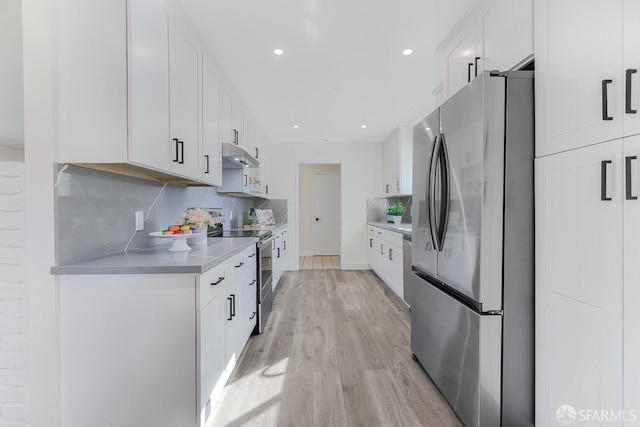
[[461, 352]]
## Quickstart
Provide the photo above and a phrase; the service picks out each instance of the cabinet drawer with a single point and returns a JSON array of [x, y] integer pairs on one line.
[[236, 265], [211, 283], [390, 237]]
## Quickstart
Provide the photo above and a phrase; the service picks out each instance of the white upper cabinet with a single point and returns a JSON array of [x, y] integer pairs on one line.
[[463, 62], [149, 84], [211, 123], [631, 68], [398, 162], [237, 122], [185, 135], [579, 73], [507, 30], [228, 132]]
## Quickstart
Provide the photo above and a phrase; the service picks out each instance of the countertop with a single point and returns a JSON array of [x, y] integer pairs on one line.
[[157, 260], [402, 228]]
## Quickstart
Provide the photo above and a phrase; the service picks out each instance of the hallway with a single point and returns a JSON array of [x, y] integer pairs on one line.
[[336, 352]]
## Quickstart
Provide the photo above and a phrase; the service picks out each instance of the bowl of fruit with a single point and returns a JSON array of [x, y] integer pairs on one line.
[[192, 224]]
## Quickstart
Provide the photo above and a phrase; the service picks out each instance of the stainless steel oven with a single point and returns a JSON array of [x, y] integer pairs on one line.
[[265, 279]]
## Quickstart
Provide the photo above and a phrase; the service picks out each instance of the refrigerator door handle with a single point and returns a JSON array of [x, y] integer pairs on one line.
[[431, 208], [445, 191]]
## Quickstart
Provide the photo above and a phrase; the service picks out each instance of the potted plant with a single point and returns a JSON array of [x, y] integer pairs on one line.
[[397, 210]]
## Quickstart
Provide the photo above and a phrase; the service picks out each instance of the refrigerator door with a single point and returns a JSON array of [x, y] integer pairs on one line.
[[460, 350], [470, 260], [423, 250]]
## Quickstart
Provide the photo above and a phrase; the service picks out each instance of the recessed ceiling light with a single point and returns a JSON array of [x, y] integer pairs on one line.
[[278, 51], [296, 126], [407, 52], [363, 126]]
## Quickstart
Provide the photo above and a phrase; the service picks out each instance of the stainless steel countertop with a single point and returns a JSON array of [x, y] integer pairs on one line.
[[157, 260], [402, 228]]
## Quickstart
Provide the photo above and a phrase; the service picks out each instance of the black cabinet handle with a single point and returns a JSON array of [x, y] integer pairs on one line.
[[206, 156], [267, 188], [629, 184], [381, 250], [605, 108], [284, 245], [475, 66], [254, 315], [245, 180], [470, 64], [603, 180], [387, 188], [220, 279], [253, 282], [370, 243], [230, 308], [235, 137], [278, 252], [628, 108], [239, 265], [177, 142], [257, 152], [391, 254], [398, 185], [252, 255], [181, 152], [233, 305]]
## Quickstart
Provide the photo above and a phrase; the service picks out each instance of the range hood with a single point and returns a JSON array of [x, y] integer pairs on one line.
[[234, 157]]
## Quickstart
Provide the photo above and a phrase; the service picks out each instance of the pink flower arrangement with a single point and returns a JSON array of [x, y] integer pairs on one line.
[[196, 217]]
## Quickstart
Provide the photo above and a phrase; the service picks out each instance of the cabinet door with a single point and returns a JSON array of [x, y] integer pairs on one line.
[[579, 280], [391, 169], [237, 122], [579, 46], [250, 299], [184, 105], [211, 357], [461, 62], [228, 135], [394, 269], [631, 67], [234, 327], [507, 34], [211, 124], [632, 274], [149, 142]]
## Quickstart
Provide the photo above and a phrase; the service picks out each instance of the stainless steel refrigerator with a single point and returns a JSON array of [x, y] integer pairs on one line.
[[472, 325]]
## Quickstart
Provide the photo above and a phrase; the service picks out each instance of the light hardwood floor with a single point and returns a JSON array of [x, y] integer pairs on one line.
[[320, 263], [336, 352]]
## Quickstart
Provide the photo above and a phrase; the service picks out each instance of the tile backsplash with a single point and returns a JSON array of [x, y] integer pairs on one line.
[[377, 208], [95, 211]]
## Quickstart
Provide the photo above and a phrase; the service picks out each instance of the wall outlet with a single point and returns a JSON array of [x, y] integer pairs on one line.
[[139, 220]]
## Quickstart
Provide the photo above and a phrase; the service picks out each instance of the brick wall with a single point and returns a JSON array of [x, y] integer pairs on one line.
[[13, 341]]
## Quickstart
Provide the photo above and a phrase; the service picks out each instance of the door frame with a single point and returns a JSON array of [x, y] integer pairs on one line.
[[297, 204]]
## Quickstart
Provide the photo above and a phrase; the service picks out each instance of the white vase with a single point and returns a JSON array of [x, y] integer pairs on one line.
[[202, 238], [397, 219]]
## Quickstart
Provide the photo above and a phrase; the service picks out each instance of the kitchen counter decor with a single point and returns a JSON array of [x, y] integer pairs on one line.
[[199, 221]]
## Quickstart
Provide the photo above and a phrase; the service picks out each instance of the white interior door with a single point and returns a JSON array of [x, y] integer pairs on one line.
[[326, 212]]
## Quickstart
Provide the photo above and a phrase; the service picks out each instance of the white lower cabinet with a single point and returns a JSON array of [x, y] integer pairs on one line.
[[385, 257], [152, 350], [582, 249], [250, 298], [279, 249]]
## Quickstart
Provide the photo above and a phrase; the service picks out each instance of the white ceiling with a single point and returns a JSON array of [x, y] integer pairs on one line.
[[342, 67]]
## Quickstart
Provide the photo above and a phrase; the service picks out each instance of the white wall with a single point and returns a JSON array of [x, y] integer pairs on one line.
[[361, 177], [11, 98], [11, 154], [305, 215]]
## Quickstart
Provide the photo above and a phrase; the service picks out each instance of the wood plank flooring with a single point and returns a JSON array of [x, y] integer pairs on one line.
[[320, 262], [336, 352]]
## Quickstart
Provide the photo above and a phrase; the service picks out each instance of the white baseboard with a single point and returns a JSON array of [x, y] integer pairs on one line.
[[306, 253], [356, 266]]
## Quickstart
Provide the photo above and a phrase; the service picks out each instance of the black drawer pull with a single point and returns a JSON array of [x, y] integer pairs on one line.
[[253, 282], [475, 66], [469, 71], [233, 306], [605, 107], [206, 156], [239, 265], [603, 180], [628, 108], [629, 184], [177, 142], [252, 255], [220, 279], [252, 316], [230, 308]]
